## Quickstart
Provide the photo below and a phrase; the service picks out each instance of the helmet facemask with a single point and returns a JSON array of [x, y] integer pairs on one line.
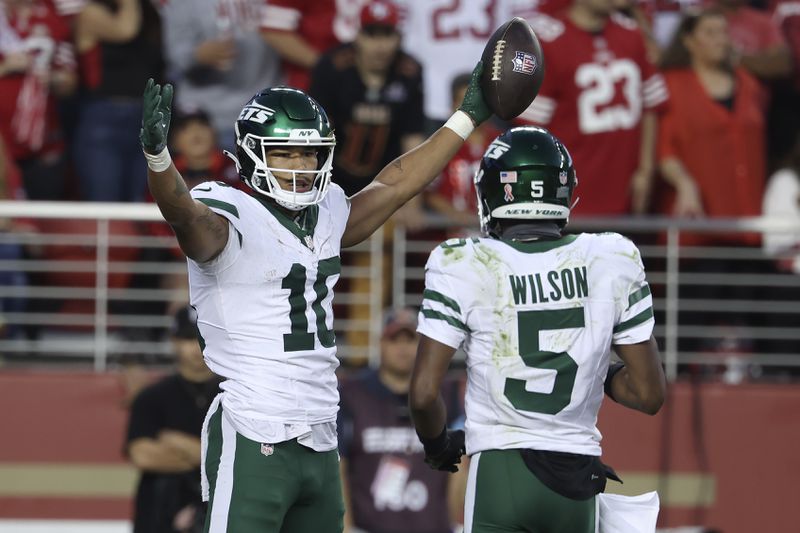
[[263, 180]]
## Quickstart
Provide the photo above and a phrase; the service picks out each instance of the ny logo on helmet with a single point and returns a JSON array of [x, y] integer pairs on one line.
[[256, 113]]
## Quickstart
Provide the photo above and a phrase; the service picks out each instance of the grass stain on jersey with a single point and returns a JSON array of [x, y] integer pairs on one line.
[[452, 255], [489, 261]]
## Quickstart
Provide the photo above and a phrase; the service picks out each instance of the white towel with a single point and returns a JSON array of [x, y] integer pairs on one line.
[[627, 514]]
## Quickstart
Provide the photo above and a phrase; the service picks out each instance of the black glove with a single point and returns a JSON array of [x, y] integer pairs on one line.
[[444, 451]]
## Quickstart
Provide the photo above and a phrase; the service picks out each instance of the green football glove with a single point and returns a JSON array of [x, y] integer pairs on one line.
[[474, 104], [156, 116]]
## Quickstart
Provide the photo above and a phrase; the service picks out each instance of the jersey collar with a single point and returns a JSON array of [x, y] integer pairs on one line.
[[302, 226], [540, 246]]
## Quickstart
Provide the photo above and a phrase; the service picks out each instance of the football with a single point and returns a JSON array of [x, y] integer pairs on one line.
[[513, 68]]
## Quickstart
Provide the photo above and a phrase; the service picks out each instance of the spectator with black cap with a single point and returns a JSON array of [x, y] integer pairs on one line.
[[372, 92], [163, 439]]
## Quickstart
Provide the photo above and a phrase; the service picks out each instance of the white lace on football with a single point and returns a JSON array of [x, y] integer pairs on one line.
[[497, 59]]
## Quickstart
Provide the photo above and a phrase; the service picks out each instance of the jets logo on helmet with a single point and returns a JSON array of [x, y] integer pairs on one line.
[[496, 149], [256, 113], [525, 174], [278, 118]]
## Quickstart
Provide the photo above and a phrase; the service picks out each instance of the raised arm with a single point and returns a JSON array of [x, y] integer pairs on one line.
[[409, 174], [201, 233]]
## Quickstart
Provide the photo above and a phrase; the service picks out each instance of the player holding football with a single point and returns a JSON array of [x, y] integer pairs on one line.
[[537, 313], [262, 268]]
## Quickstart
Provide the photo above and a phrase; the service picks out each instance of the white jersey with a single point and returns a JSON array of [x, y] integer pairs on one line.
[[265, 314], [537, 321], [448, 38]]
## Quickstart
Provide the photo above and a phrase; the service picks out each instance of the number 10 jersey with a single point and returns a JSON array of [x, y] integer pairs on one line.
[[537, 321], [265, 315]]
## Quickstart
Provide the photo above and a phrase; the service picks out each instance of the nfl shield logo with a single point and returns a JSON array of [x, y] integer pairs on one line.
[[509, 196], [524, 63], [562, 177], [267, 449]]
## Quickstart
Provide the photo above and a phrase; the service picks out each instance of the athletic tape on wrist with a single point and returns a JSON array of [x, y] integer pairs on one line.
[[160, 161], [460, 124]]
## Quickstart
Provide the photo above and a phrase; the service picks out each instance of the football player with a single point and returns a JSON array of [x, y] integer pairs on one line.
[[262, 268], [537, 313]]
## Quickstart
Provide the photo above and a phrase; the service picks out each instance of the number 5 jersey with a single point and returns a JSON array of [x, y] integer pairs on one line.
[[537, 321], [266, 318]]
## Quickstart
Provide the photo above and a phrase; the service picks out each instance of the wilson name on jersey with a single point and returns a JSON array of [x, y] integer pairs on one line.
[[537, 321], [264, 306]]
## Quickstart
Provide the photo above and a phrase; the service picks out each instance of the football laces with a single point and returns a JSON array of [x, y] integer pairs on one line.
[[497, 59]]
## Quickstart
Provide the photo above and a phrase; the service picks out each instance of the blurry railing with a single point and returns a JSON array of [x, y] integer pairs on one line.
[[92, 283], [722, 308]]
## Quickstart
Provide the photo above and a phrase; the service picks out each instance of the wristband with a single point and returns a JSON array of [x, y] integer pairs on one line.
[[612, 371], [160, 161], [461, 124], [436, 445]]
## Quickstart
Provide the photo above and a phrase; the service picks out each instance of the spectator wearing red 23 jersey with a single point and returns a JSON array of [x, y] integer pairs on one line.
[[600, 97]]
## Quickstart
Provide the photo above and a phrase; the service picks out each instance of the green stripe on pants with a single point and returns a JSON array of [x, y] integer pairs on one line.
[[213, 453]]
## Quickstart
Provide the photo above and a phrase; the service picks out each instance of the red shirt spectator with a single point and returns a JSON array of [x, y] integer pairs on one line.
[[597, 88], [35, 50], [722, 149], [456, 184], [711, 145], [301, 30]]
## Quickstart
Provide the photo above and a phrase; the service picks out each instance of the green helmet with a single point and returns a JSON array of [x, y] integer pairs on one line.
[[525, 174], [279, 117]]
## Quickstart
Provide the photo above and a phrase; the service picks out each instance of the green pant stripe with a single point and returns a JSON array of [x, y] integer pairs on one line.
[[220, 503], [213, 452]]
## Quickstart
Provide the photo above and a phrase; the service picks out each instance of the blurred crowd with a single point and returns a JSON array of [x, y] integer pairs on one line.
[[685, 108]]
